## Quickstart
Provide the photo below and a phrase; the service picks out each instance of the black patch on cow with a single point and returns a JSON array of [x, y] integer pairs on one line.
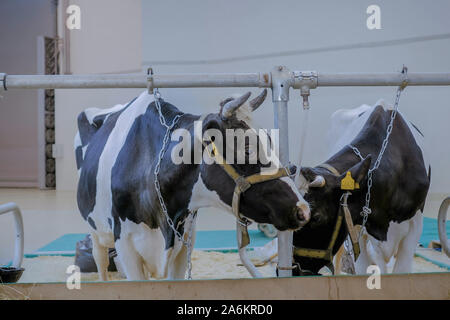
[[79, 156], [399, 189], [85, 129], [132, 176], [110, 223], [98, 120], [87, 185], [92, 223], [117, 227]]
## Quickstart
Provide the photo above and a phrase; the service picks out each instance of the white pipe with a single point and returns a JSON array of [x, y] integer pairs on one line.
[[243, 253], [284, 237], [303, 135], [381, 79], [136, 81], [18, 223], [214, 80]]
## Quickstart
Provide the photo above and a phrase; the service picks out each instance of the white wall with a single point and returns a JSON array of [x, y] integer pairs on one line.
[[178, 37], [109, 41], [186, 36]]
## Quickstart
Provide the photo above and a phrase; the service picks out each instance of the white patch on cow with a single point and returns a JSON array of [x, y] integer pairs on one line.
[[345, 126], [141, 251], [402, 239], [302, 204], [115, 142], [91, 113], [142, 254], [202, 197], [301, 183]]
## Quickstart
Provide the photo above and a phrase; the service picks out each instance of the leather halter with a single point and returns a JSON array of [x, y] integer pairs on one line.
[[242, 184], [343, 214]]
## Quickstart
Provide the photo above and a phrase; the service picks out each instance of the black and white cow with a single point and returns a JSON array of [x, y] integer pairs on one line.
[[400, 186], [117, 150]]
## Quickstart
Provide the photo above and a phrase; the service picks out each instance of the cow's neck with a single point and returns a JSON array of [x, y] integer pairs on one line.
[[344, 159]]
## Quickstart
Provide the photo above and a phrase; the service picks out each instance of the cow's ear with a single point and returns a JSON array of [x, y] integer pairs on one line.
[[210, 122], [308, 173], [359, 170]]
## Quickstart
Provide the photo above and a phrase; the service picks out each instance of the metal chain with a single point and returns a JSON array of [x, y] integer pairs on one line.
[[366, 211], [170, 222], [356, 151]]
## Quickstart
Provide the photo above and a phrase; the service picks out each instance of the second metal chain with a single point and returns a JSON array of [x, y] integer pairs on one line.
[[366, 211]]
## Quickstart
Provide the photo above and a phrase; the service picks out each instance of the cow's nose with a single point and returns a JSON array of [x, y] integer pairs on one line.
[[303, 212]]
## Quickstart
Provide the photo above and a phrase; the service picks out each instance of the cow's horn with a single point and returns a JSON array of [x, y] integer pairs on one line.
[[255, 103], [230, 107], [318, 182]]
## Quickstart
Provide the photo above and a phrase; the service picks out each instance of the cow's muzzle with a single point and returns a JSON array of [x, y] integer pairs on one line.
[[302, 213]]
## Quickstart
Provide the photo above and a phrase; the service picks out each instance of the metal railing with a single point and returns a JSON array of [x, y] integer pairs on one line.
[[280, 80], [18, 223]]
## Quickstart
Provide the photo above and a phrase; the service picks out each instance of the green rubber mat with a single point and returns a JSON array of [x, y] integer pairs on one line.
[[221, 240]]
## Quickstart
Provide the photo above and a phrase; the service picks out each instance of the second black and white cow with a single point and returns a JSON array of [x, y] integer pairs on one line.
[[117, 150], [400, 186]]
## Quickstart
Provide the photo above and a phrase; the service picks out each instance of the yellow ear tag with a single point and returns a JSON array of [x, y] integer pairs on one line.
[[214, 150], [348, 183]]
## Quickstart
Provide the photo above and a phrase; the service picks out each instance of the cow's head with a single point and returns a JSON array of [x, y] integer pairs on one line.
[[276, 201], [322, 190]]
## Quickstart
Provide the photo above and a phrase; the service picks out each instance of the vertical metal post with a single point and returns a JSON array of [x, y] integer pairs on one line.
[[281, 82]]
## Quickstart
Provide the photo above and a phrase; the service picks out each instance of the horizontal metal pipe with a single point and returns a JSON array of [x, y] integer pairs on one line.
[[76, 81], [381, 79], [214, 80], [136, 81]]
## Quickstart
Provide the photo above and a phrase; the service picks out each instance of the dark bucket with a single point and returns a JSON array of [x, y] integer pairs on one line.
[[10, 274]]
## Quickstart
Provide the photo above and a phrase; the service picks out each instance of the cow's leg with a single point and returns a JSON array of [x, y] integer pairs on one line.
[[150, 245], [177, 266], [101, 258], [375, 252], [369, 255], [337, 261], [407, 247], [178, 260], [363, 260], [130, 260]]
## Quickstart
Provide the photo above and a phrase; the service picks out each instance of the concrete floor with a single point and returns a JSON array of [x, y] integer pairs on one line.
[[48, 214]]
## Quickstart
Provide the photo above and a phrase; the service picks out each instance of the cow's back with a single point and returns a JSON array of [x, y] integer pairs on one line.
[[101, 136], [401, 182]]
